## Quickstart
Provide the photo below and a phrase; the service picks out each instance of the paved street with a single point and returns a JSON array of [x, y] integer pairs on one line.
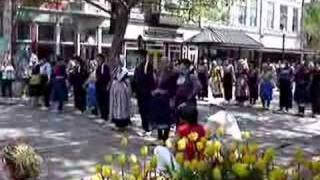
[[71, 144]]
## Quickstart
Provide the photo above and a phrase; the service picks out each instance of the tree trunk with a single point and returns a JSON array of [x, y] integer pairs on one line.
[[121, 19]]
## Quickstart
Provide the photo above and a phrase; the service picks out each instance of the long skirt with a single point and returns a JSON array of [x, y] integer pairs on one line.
[[204, 85], [301, 94], [227, 86], [285, 87], [120, 103], [60, 91], [162, 115]]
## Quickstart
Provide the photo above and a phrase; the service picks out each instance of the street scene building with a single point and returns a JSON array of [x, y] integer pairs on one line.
[[267, 28]]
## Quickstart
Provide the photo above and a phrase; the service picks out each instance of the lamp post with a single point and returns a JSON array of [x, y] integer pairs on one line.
[[283, 41]]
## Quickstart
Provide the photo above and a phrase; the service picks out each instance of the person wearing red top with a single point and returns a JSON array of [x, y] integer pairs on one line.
[[189, 124]]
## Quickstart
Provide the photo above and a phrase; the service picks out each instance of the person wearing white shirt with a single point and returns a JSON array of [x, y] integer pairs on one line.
[[8, 76], [45, 73]]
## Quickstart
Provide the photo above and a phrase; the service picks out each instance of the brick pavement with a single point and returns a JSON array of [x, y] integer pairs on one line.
[[71, 144]]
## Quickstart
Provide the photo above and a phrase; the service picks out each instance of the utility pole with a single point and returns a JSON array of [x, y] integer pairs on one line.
[[302, 38]]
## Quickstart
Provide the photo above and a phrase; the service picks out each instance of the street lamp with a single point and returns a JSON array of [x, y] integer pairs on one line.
[[283, 41]]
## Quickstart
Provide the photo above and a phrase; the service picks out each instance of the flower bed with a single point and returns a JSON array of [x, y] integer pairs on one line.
[[211, 161]]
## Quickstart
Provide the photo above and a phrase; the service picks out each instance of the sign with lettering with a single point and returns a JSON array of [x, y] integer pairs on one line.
[[162, 33]]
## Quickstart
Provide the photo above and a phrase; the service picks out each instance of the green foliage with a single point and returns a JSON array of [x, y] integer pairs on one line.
[[312, 24], [201, 10]]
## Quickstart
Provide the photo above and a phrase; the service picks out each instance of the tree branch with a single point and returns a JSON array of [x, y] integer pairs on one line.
[[125, 4], [99, 6], [133, 3]]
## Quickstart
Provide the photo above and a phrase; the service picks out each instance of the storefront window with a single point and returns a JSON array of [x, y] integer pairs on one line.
[[270, 15], [23, 31], [46, 32], [283, 17], [67, 33], [89, 36], [46, 51], [295, 20], [174, 53], [67, 51], [242, 12], [253, 13], [105, 36]]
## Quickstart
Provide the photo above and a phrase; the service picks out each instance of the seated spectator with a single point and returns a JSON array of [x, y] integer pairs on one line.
[[188, 116]]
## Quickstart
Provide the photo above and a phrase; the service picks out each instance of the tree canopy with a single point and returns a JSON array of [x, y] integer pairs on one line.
[[312, 24], [201, 10]]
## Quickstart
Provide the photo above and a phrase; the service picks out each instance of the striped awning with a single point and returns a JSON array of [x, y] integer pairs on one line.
[[224, 37]]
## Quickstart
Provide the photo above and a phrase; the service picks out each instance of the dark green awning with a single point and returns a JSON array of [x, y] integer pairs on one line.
[[224, 37]]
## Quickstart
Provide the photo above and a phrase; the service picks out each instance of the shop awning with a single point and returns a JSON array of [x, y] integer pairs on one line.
[[224, 37]]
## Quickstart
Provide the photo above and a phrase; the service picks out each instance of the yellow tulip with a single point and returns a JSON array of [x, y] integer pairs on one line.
[[106, 171], [144, 151], [133, 159], [269, 155], [253, 148], [96, 177], [232, 158], [241, 170], [299, 156], [124, 142], [193, 165], [193, 136], [136, 170], [261, 165], [277, 174], [249, 159], [180, 158], [187, 164], [220, 132], [216, 174], [122, 159], [202, 166], [217, 146], [98, 168], [246, 134], [182, 144], [108, 159], [169, 143], [153, 162], [200, 146]]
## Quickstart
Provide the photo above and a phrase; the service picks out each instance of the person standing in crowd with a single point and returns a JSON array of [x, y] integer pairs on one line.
[[203, 77], [285, 86], [315, 89], [120, 96], [143, 82], [228, 79], [46, 72], [103, 79], [8, 77], [266, 86], [90, 86], [188, 86], [301, 79], [216, 80], [59, 79], [35, 83], [253, 81], [161, 96], [242, 88], [80, 77]]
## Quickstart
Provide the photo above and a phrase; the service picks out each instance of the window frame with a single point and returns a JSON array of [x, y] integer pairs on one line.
[[283, 15], [295, 20], [47, 39], [253, 10], [270, 9]]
